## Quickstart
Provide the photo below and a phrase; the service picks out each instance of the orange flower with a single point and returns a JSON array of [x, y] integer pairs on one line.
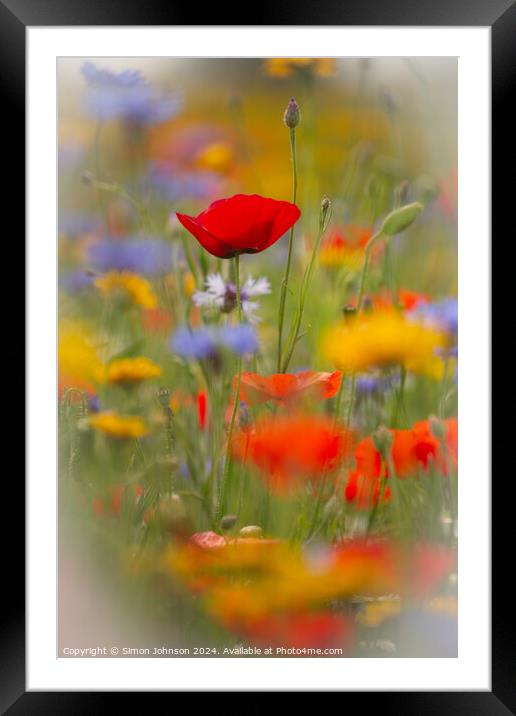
[[286, 449], [285, 387], [345, 247]]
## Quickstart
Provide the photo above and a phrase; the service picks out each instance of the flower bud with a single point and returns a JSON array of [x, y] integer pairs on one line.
[[382, 440], [292, 116], [172, 511], [244, 417], [251, 531], [400, 219], [437, 428], [227, 522], [325, 215]]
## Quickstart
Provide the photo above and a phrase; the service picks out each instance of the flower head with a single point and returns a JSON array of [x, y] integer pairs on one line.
[[118, 426], [287, 387], [383, 338], [130, 284], [222, 296], [288, 449], [132, 370], [241, 224], [145, 256], [78, 360], [127, 96], [345, 247], [207, 342]]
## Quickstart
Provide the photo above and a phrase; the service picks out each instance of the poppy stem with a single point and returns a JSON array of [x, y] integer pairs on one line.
[[324, 220], [284, 285], [360, 302], [365, 265], [227, 461]]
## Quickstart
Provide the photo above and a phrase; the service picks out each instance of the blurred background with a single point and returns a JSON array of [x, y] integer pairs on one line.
[[142, 138]]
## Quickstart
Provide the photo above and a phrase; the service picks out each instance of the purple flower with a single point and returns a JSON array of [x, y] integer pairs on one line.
[[149, 257], [127, 96]]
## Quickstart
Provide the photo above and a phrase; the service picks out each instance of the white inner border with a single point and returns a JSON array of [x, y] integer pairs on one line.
[[471, 670]]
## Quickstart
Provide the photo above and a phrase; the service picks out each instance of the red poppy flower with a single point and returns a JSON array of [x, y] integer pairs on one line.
[[285, 387], [286, 449], [202, 407], [365, 491], [411, 451], [242, 224]]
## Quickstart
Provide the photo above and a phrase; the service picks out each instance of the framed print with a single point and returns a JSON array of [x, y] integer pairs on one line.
[[252, 253]]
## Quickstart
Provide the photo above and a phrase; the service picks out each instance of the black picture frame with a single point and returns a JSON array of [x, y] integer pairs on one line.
[[500, 15]]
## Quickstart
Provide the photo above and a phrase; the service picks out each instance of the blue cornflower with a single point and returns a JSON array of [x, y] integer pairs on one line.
[[75, 223], [171, 183], [194, 343], [208, 342], [73, 281], [239, 339], [443, 314], [127, 96], [370, 384], [149, 257]]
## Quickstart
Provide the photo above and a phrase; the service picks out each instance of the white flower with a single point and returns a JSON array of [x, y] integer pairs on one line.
[[222, 296]]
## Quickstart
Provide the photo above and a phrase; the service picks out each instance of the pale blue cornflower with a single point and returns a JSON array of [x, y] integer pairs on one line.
[[148, 256], [127, 96], [210, 341], [220, 295]]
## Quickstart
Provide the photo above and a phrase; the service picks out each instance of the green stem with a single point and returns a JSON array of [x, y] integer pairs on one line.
[[363, 274], [227, 462], [284, 285], [351, 400], [323, 224]]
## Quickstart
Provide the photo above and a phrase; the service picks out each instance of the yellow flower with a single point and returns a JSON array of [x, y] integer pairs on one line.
[[286, 66], [217, 157], [78, 360], [383, 338], [118, 426], [136, 287], [132, 370], [188, 284]]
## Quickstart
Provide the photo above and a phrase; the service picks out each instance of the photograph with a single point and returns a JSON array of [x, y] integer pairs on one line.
[[257, 357]]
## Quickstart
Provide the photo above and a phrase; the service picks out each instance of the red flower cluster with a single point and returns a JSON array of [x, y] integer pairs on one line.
[[412, 450], [290, 448]]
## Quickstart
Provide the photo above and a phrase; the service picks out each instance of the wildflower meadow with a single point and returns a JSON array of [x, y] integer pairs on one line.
[[257, 356]]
